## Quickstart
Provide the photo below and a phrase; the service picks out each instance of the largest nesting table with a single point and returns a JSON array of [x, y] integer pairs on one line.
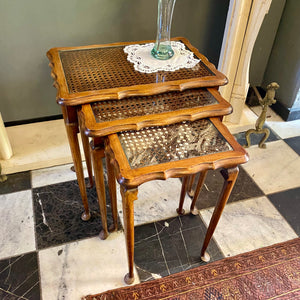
[[97, 73], [101, 119]]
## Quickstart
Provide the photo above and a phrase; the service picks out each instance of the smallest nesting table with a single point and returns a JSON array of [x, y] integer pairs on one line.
[[176, 150]]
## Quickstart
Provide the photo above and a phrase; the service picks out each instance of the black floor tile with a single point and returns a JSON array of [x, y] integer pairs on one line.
[[148, 256], [19, 277], [193, 231], [288, 204], [174, 247], [58, 209], [244, 188], [255, 138], [294, 143], [171, 246], [15, 183]]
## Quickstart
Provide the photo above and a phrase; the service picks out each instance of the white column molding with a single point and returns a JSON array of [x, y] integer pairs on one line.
[[5, 147], [243, 22]]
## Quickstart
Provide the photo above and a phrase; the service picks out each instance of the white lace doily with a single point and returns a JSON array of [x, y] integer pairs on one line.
[[140, 56]]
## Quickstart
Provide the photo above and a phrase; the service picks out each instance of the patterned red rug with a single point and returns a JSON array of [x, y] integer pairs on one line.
[[267, 273]]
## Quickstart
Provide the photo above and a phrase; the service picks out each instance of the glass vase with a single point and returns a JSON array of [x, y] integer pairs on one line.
[[162, 48]]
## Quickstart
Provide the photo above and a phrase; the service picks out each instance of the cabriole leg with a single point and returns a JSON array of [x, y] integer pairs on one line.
[[128, 196], [87, 155], [185, 181], [97, 150], [230, 176], [200, 183], [191, 180], [75, 150], [112, 193], [72, 130]]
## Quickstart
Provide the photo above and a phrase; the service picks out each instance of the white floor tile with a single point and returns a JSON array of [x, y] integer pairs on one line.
[[157, 200], [285, 129], [37, 145], [248, 225], [89, 266], [17, 225], [275, 168], [54, 175]]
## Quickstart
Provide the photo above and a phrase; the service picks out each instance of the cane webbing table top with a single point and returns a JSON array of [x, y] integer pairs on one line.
[[175, 150], [158, 145], [100, 72], [111, 116], [147, 105], [107, 68]]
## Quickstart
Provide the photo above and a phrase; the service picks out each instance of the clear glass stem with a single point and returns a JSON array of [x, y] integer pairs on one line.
[[162, 48]]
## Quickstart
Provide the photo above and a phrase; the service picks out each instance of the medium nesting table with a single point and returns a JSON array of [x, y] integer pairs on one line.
[[88, 74], [100, 119]]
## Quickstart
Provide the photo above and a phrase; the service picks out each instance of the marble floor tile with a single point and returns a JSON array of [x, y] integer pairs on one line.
[[52, 175], [148, 255], [294, 143], [16, 182], [58, 210], [181, 239], [285, 129], [89, 266], [19, 277], [17, 226], [288, 204], [248, 225], [170, 246], [275, 168], [157, 200], [37, 145], [244, 188]]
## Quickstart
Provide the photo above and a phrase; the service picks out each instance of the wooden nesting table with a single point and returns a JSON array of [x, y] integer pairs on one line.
[[159, 137], [174, 118], [177, 150], [96, 73], [100, 119]]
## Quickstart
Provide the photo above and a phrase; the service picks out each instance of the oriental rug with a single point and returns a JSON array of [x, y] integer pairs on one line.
[[268, 273]]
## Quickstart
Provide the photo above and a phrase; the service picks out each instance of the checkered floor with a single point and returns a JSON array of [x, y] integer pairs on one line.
[[47, 252]]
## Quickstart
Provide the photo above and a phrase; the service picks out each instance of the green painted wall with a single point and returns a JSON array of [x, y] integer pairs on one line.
[[284, 63], [29, 28], [264, 42]]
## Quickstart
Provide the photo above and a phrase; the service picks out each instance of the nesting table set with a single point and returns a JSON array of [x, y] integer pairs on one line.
[[148, 126]]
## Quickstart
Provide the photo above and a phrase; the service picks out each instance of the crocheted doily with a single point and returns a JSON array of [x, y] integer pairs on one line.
[[140, 56]]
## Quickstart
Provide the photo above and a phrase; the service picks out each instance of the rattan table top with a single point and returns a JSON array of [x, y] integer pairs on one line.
[[111, 116], [158, 145], [174, 150], [102, 72]]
